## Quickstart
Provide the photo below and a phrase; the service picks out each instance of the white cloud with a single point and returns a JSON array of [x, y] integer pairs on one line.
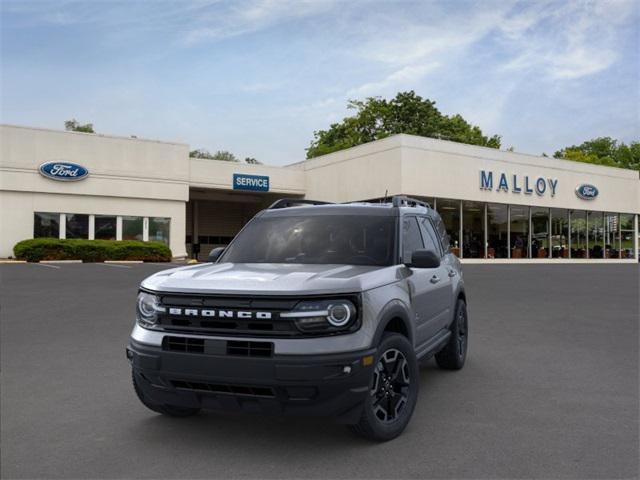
[[565, 41], [405, 77], [248, 16]]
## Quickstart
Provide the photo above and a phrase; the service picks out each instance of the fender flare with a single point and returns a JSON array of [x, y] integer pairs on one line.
[[393, 309]]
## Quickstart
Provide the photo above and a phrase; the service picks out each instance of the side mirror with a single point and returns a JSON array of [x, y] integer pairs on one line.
[[215, 254], [424, 259]]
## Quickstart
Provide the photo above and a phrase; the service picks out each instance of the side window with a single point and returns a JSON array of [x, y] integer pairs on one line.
[[411, 238], [442, 233], [431, 242]]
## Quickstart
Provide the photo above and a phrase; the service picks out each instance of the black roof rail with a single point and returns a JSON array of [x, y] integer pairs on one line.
[[404, 201], [295, 202]]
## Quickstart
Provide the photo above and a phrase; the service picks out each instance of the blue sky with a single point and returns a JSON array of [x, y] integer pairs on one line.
[[257, 77]]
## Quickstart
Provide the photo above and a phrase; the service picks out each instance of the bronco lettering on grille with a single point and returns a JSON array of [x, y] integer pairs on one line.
[[209, 313]]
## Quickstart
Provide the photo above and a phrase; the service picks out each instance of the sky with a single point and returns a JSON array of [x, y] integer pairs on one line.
[[258, 77]]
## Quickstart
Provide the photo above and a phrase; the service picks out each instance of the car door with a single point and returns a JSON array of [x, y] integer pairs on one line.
[[424, 289], [442, 299]]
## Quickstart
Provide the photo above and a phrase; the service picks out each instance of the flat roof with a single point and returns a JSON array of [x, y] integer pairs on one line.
[[102, 135], [463, 149]]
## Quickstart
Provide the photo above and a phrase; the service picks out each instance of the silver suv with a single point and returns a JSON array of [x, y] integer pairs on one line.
[[313, 309]]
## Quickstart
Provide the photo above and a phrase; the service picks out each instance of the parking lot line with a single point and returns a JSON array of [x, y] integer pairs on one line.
[[46, 265], [115, 265]]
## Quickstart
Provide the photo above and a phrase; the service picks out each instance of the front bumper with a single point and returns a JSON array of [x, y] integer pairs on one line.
[[310, 385]]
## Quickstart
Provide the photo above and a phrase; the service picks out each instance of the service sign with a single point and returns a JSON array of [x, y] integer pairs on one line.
[[586, 191], [252, 183], [63, 171]]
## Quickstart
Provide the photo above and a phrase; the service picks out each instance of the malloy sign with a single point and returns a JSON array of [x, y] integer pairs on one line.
[[518, 183]]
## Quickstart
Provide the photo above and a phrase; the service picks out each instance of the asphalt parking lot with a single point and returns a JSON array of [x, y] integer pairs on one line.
[[550, 389]]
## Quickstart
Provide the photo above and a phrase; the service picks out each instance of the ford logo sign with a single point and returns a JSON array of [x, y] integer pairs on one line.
[[64, 171], [586, 192]]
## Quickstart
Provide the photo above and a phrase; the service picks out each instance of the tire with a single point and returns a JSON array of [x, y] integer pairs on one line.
[[393, 391], [454, 353], [169, 410]]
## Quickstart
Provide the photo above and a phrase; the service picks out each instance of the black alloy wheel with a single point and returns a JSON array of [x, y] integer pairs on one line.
[[393, 391], [390, 389]]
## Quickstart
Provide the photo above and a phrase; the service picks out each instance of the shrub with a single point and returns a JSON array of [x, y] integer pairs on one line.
[[37, 249]]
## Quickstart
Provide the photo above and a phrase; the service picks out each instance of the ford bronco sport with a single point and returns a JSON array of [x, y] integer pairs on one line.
[[313, 309]]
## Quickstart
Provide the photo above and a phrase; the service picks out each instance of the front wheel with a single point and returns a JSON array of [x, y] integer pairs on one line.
[[454, 353], [393, 391]]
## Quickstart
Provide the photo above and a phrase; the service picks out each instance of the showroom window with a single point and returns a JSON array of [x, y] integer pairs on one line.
[[626, 235], [46, 225], [519, 238], [106, 227], [132, 228], [449, 211], [559, 233], [539, 232], [159, 229], [595, 234], [77, 226], [578, 234], [472, 230], [497, 231]]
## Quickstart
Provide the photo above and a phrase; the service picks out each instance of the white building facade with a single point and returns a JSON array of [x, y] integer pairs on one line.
[[498, 206]]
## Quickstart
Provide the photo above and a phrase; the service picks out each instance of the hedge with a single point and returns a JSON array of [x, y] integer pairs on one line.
[[37, 249]]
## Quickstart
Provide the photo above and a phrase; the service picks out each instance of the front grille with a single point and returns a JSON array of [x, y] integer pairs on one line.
[[183, 344], [249, 349], [244, 390], [234, 316], [273, 327], [217, 347]]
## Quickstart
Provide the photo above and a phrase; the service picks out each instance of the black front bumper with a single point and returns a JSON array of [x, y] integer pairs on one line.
[[309, 385]]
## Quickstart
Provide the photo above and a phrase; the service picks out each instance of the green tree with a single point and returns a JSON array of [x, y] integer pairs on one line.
[[604, 151], [219, 155], [377, 118], [252, 161], [224, 156], [74, 126]]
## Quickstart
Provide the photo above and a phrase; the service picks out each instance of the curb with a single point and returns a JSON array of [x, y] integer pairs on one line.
[[60, 261], [3, 261], [123, 261]]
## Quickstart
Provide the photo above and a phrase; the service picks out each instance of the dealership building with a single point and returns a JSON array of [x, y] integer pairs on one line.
[[498, 206]]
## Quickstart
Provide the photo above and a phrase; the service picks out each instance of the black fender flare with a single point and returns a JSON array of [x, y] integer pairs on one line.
[[393, 309]]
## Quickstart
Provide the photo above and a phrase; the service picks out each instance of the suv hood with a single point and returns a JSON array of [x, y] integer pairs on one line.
[[271, 278]]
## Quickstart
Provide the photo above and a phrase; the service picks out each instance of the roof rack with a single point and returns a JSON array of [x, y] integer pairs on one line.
[[403, 201], [295, 202]]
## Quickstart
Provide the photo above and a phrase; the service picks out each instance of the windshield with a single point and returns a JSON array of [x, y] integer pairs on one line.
[[344, 239]]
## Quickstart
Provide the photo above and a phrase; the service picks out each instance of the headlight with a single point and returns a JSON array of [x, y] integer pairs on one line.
[[147, 308], [323, 316]]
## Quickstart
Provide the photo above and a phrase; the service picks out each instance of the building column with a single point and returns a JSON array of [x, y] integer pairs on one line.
[[92, 227], [63, 225], [118, 227], [530, 235], [145, 229], [549, 235], [461, 231], [586, 234], [569, 233], [509, 231], [486, 234], [635, 237]]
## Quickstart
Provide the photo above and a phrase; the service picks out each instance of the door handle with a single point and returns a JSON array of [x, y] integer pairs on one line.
[[452, 273], [435, 279]]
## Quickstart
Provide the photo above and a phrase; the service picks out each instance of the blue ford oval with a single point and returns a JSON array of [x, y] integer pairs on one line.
[[586, 192], [64, 171]]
